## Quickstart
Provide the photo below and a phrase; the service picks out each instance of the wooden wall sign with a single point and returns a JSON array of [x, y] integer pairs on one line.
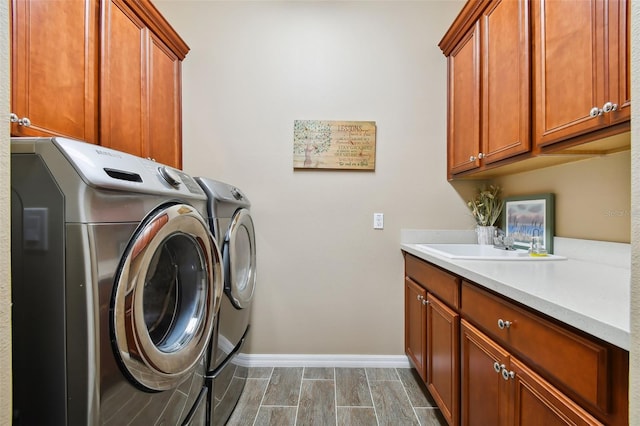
[[334, 144]]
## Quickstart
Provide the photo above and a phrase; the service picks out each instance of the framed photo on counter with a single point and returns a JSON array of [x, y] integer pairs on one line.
[[526, 216]]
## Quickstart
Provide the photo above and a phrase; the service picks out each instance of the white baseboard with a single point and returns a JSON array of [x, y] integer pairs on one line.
[[294, 360]]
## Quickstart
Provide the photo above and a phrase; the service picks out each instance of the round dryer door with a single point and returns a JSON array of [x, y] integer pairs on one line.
[[166, 297], [240, 259]]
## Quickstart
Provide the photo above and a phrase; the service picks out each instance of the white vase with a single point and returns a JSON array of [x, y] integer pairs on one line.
[[485, 234]]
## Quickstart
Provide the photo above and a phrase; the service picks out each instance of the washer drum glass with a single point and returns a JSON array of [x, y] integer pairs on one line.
[[166, 298]]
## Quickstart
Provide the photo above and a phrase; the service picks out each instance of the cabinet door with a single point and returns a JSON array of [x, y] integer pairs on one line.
[[505, 80], [54, 68], [463, 137], [570, 66], [123, 112], [443, 373], [483, 391], [619, 63], [535, 402], [164, 88], [415, 322]]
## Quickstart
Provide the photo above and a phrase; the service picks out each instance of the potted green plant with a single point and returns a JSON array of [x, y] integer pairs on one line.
[[486, 208]]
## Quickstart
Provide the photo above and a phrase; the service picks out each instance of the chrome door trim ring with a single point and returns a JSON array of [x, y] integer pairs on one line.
[[150, 367], [240, 299]]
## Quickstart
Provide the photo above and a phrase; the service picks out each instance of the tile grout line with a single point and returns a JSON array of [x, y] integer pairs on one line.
[[335, 393], [263, 394], [404, 388], [369, 382], [295, 422], [373, 403]]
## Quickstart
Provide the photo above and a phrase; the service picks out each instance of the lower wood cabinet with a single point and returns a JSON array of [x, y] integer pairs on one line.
[[432, 332], [481, 387], [487, 360], [415, 335], [498, 389], [443, 331]]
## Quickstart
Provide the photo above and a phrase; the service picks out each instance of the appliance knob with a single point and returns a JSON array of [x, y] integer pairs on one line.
[[236, 193], [170, 176]]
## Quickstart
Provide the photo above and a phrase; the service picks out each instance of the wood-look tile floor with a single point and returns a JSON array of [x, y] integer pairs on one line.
[[335, 396]]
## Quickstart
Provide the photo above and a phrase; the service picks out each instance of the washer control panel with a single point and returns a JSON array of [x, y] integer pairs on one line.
[[102, 167]]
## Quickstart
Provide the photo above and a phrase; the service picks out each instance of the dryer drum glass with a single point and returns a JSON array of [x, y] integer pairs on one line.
[[242, 263], [173, 300]]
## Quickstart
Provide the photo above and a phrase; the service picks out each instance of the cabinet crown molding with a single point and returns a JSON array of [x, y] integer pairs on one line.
[[159, 25], [463, 23]]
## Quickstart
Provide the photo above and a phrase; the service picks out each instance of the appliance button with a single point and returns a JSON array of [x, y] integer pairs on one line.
[[170, 176]]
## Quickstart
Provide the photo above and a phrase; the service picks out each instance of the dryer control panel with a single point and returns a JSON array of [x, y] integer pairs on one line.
[[106, 168]]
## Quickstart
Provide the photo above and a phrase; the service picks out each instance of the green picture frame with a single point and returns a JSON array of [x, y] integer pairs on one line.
[[524, 216]]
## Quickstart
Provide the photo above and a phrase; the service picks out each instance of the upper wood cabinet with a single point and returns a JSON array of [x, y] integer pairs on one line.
[[165, 104], [527, 78], [140, 85], [505, 80], [581, 67], [117, 63], [54, 74], [488, 81], [463, 130]]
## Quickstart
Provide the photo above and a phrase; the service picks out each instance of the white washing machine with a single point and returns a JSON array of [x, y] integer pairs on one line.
[[232, 226], [116, 285]]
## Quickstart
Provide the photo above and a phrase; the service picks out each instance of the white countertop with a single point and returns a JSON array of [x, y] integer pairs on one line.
[[589, 291]]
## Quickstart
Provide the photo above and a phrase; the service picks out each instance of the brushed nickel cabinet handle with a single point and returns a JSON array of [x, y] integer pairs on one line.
[[595, 111], [609, 107], [507, 374], [13, 117], [504, 324]]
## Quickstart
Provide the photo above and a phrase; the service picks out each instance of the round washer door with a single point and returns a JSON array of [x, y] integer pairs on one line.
[[166, 297], [240, 259]]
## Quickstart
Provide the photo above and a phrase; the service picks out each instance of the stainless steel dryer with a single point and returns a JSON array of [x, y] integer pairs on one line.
[[231, 223], [116, 284]]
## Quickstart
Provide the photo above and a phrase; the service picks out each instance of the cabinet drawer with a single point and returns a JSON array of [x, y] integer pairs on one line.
[[435, 280], [571, 361]]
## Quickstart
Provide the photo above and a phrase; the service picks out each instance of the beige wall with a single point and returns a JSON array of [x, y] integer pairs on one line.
[[5, 241], [257, 66], [591, 196], [327, 282]]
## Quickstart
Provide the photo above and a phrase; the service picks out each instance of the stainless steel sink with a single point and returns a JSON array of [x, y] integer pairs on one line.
[[482, 252]]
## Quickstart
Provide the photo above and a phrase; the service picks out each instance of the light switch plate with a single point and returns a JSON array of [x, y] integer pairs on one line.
[[378, 221]]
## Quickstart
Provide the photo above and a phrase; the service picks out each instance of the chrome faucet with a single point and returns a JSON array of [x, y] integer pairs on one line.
[[503, 242]]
